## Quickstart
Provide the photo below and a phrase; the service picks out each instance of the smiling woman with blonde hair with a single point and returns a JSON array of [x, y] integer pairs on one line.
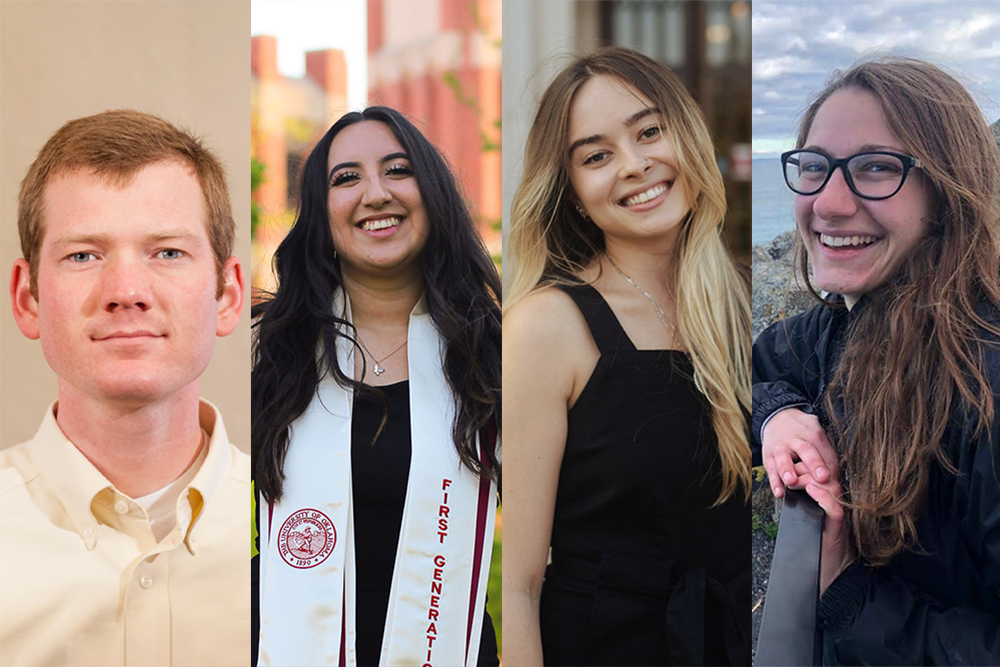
[[627, 382]]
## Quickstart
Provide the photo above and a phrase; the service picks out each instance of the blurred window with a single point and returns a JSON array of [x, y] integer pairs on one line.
[[707, 43]]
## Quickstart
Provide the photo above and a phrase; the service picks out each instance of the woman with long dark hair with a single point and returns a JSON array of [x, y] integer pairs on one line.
[[627, 380], [376, 411], [880, 401]]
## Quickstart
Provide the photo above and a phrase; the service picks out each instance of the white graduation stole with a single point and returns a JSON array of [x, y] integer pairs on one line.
[[307, 567]]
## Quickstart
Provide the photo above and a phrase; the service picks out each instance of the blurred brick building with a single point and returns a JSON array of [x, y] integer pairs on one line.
[[438, 61], [287, 112]]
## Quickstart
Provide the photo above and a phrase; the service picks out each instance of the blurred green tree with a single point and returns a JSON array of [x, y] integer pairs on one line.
[[490, 141], [256, 178]]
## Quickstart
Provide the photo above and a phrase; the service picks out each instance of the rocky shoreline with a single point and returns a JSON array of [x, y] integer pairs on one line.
[[778, 292]]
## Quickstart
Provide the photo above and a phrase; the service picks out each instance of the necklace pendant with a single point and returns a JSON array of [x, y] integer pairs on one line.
[[378, 370]]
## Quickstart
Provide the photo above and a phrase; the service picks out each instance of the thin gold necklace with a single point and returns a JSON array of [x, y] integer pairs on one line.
[[669, 326], [379, 369], [671, 329]]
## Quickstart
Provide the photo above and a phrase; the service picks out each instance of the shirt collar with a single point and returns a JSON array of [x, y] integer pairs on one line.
[[71, 477], [209, 480], [78, 485]]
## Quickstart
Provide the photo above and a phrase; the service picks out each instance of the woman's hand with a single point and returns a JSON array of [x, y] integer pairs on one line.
[[792, 436], [836, 553]]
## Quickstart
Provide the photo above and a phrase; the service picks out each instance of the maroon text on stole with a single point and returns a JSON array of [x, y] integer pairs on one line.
[[437, 578]]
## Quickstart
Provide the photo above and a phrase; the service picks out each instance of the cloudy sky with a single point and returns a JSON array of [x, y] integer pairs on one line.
[[797, 45]]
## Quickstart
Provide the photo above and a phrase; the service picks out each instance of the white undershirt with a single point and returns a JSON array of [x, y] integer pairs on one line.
[[161, 505]]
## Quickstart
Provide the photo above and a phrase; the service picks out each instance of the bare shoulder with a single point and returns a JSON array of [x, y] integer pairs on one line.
[[547, 345], [546, 317]]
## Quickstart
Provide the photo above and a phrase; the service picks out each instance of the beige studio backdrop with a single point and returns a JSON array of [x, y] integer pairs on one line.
[[184, 61]]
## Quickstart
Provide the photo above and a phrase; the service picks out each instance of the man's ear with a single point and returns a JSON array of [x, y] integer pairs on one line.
[[231, 301], [24, 303]]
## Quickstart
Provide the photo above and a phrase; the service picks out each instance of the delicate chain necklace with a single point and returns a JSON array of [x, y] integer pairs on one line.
[[378, 370], [671, 329], [669, 326]]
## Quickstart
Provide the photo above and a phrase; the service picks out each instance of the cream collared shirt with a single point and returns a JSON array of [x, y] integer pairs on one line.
[[83, 581]]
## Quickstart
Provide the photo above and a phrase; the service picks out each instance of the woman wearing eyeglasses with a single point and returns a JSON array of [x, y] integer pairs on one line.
[[880, 401]]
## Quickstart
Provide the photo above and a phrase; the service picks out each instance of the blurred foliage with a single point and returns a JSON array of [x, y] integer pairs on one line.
[[253, 521], [490, 141], [256, 178], [300, 130], [494, 603], [454, 83], [768, 527]]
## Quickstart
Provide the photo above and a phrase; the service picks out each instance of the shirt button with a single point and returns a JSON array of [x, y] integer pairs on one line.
[[88, 531], [121, 507], [146, 581]]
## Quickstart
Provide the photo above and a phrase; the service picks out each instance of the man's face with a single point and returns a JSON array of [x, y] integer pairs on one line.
[[126, 308]]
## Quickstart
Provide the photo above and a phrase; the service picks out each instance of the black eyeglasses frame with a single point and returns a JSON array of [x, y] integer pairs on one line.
[[909, 162]]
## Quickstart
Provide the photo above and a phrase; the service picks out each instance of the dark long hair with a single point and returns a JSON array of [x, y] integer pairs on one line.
[[297, 320], [915, 349]]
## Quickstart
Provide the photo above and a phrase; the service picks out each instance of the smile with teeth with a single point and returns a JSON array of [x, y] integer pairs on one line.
[[842, 241], [384, 223], [644, 197]]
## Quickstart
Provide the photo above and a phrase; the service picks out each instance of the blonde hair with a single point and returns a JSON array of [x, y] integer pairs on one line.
[[552, 243]]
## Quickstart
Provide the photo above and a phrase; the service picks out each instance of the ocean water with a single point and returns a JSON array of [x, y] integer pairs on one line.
[[771, 200]]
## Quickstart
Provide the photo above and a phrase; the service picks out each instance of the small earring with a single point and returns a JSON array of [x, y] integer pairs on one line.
[[583, 213]]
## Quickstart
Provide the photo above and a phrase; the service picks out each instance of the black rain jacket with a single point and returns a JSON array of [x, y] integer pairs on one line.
[[938, 606]]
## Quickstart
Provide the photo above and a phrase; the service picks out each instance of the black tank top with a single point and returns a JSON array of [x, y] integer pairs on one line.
[[634, 516]]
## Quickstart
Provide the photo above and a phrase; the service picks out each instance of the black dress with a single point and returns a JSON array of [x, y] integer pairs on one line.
[[379, 473], [644, 570]]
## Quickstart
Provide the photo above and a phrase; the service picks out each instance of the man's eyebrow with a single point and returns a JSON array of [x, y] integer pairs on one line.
[[629, 122], [357, 165], [103, 239], [83, 239], [173, 235]]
